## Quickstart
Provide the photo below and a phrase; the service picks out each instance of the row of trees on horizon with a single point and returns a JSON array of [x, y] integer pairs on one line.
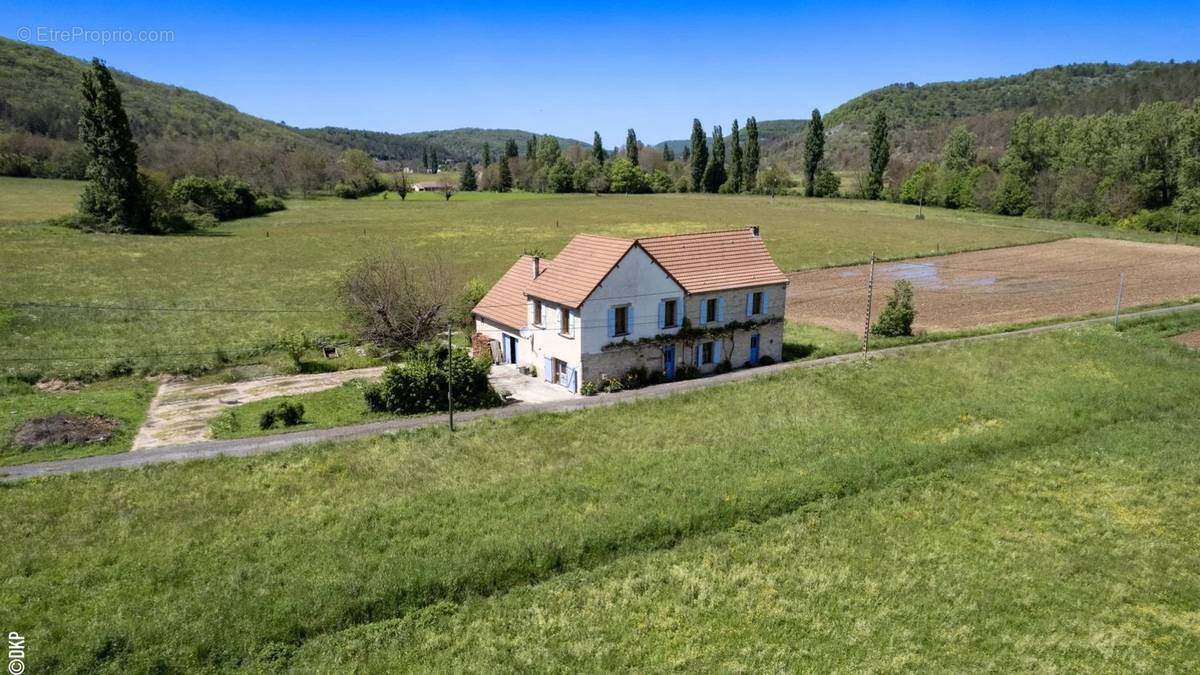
[[1138, 170]]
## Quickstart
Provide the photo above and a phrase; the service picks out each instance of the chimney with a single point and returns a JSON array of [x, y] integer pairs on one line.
[[754, 231], [537, 266]]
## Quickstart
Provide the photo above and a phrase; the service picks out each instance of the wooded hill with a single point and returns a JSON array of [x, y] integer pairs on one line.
[[921, 116], [455, 145], [181, 132]]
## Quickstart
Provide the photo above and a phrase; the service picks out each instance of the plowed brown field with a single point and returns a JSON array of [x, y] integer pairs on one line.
[[1003, 286]]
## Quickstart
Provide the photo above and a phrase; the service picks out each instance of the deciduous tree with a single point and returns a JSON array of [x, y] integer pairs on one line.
[[714, 173], [814, 152], [736, 166], [880, 154], [699, 151], [750, 179]]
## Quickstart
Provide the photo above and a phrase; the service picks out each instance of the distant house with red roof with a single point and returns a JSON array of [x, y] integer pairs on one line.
[[678, 305]]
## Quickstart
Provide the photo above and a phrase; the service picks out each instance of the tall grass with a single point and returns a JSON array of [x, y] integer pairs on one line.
[[228, 562]]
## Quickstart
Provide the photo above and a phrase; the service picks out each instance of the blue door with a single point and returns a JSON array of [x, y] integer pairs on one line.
[[754, 349], [669, 362]]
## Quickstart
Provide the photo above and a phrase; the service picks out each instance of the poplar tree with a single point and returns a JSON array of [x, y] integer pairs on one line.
[[433, 161], [668, 154], [631, 147], [881, 151], [506, 177], [425, 158], [687, 152], [487, 154], [467, 182], [714, 173], [510, 149], [750, 180], [113, 196], [736, 167], [531, 147], [699, 149], [598, 153], [814, 152]]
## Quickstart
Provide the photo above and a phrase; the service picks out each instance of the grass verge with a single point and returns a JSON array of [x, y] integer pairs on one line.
[[242, 561]]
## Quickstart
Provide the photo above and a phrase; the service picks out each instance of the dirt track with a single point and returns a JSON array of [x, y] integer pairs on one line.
[[1002, 286]]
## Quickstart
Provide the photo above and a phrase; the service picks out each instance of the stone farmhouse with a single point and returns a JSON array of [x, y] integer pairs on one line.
[[682, 305]]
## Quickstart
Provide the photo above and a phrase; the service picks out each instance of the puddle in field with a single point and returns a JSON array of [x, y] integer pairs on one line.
[[927, 275]]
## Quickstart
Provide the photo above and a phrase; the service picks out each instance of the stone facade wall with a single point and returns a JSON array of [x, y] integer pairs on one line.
[[735, 347]]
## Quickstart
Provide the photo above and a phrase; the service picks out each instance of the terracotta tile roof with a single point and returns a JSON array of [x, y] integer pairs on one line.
[[579, 268], [713, 261], [505, 303]]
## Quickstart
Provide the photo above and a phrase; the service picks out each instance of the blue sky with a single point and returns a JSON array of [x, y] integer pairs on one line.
[[579, 67]]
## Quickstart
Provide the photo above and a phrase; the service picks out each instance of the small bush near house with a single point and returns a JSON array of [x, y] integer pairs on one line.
[[765, 360], [419, 384], [897, 317], [723, 367], [588, 389]]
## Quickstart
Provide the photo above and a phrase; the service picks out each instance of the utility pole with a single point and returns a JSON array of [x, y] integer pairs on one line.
[[1120, 297], [870, 294], [450, 370]]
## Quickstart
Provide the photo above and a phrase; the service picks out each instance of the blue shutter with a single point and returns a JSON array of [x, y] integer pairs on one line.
[[662, 314], [504, 346], [703, 310], [716, 351], [629, 324], [749, 304], [766, 306], [570, 379], [698, 352], [720, 309], [612, 322], [548, 368]]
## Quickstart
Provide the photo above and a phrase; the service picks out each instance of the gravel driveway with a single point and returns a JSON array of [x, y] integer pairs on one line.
[[181, 411]]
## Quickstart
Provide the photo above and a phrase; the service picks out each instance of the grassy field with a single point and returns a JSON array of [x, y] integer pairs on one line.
[[125, 399], [289, 262], [26, 200], [960, 509]]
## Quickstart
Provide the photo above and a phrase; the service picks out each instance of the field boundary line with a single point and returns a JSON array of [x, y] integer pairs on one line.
[[243, 447]]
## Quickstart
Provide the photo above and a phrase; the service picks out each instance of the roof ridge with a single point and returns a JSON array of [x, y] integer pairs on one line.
[[604, 236], [693, 234]]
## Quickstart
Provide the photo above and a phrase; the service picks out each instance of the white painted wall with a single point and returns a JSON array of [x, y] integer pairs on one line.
[[638, 281]]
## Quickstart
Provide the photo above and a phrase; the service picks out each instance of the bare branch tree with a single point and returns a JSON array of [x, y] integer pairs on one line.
[[397, 301]]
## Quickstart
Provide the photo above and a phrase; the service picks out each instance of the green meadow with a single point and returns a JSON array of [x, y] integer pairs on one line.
[[964, 508], [290, 261]]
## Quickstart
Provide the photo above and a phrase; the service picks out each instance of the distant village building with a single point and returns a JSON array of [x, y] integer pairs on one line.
[[431, 186], [676, 304]]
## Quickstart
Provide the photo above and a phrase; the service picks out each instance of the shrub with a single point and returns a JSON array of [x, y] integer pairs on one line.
[[290, 413], [723, 367], [612, 385], [588, 389], [269, 203], [897, 317], [267, 419], [765, 360], [295, 345], [826, 184], [419, 384], [226, 197]]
